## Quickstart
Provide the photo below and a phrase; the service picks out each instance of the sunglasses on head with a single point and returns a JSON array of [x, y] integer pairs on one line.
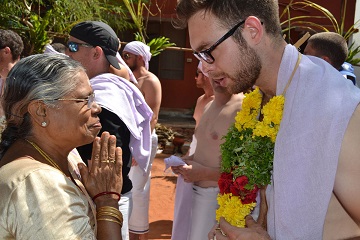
[[74, 46]]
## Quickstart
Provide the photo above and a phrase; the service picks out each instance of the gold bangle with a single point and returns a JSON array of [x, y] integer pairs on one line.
[[109, 214], [103, 216], [110, 211], [107, 208], [110, 220]]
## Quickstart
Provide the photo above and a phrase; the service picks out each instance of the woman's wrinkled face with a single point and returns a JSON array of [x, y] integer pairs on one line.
[[74, 119]]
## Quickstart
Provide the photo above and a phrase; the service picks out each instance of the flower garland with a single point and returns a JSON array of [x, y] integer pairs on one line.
[[247, 156]]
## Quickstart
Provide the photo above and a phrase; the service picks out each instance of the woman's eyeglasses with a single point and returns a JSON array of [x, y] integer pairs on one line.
[[90, 100], [205, 55], [74, 46]]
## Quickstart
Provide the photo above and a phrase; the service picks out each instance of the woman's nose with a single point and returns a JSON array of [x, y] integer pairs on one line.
[[95, 108]]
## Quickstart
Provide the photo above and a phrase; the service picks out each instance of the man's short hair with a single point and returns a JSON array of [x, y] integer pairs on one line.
[[231, 12], [331, 45], [12, 40], [99, 34]]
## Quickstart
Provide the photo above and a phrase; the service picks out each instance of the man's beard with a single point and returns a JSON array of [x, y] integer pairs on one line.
[[133, 67], [249, 71]]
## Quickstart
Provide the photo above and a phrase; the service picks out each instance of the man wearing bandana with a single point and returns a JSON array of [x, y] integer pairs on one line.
[[137, 56]]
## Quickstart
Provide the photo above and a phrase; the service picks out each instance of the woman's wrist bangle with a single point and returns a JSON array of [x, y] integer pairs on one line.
[[103, 214], [111, 220], [106, 193]]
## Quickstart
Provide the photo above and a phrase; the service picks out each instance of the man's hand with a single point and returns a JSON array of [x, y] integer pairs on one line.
[[225, 231], [192, 172]]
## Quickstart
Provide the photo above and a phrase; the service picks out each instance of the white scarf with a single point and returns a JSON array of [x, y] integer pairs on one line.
[[318, 106], [140, 49], [121, 97]]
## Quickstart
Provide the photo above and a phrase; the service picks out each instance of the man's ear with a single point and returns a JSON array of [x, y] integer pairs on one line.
[[140, 59], [7, 50], [98, 51], [326, 58], [254, 29], [38, 111]]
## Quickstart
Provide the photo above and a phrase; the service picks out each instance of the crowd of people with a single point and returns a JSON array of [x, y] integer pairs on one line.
[[79, 138], [62, 109]]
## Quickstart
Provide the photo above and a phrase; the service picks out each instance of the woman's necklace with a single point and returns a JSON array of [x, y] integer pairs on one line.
[[45, 155]]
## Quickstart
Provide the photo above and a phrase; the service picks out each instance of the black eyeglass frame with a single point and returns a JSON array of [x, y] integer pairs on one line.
[[205, 55], [74, 46]]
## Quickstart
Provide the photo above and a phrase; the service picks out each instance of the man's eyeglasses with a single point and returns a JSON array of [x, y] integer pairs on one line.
[[126, 56], [74, 46], [205, 55], [90, 100]]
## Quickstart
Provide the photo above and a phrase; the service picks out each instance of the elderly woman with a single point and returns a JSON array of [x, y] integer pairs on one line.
[[50, 110]]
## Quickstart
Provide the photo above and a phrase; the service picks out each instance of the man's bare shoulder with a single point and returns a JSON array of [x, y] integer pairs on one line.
[[347, 187], [338, 223], [203, 99], [237, 98], [149, 82], [149, 77], [235, 103]]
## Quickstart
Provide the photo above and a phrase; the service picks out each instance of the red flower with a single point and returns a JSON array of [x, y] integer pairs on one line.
[[225, 181], [249, 195], [238, 185], [240, 182]]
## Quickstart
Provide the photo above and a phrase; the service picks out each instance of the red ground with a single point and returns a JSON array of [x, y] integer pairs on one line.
[[162, 197]]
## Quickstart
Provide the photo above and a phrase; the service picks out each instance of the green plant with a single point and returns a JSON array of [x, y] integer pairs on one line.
[[353, 51], [38, 22], [38, 34], [136, 13], [157, 45], [305, 23]]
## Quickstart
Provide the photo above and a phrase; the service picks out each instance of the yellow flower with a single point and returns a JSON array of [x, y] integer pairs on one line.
[[233, 210], [272, 112], [247, 116]]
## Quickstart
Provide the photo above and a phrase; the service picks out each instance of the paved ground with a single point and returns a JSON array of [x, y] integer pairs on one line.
[[176, 117]]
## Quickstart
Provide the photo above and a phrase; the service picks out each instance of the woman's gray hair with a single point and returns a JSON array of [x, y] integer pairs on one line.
[[43, 77]]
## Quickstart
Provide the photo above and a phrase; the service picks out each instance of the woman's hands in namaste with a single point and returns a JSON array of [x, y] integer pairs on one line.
[[104, 174]]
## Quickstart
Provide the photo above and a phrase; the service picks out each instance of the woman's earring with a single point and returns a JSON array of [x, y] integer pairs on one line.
[[43, 124]]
